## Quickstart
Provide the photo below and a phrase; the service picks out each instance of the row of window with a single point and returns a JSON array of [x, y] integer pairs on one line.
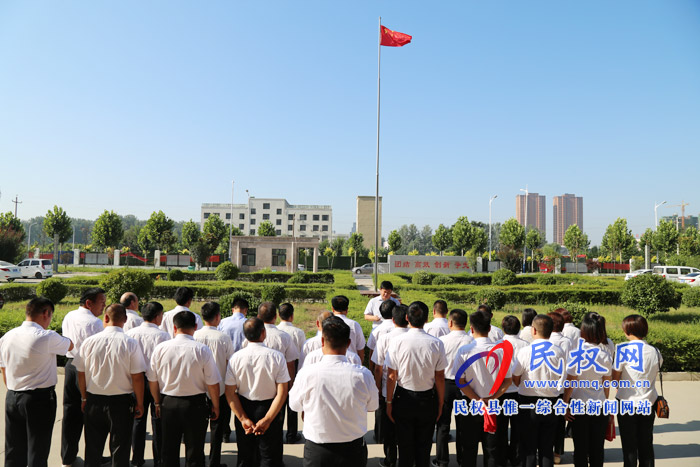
[[279, 256], [302, 217]]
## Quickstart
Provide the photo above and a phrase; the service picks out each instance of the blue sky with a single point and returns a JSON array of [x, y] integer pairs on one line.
[[139, 106]]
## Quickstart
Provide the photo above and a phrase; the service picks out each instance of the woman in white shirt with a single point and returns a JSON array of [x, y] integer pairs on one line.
[[636, 361]]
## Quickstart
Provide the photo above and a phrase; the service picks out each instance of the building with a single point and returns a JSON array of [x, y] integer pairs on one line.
[[536, 211], [364, 223], [293, 220], [566, 211], [280, 254], [678, 221]]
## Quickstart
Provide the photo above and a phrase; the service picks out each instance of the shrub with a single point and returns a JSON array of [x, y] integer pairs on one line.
[[491, 296], [577, 311], [422, 278], [546, 279], [176, 275], [298, 278], [691, 297], [226, 302], [649, 294], [443, 279], [53, 289], [272, 293], [226, 271], [503, 277], [126, 280], [18, 292]]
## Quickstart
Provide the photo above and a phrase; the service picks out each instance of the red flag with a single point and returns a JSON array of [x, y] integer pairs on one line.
[[394, 39]]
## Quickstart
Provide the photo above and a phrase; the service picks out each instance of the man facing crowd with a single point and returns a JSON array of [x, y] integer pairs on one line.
[[183, 297], [372, 312]]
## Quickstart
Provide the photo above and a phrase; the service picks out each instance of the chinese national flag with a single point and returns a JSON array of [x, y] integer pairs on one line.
[[394, 39]]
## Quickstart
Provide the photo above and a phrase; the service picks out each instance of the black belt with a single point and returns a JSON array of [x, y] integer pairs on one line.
[[191, 398], [111, 398], [35, 391], [420, 394]]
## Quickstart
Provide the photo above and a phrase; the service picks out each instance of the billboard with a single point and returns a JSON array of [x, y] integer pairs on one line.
[[440, 264]]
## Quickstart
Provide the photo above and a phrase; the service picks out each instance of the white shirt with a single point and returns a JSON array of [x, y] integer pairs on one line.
[[108, 360], [335, 397], [280, 341], [386, 327], [495, 334], [132, 320], [557, 338], [167, 323], [517, 344], [526, 334], [577, 364], [316, 355], [634, 369], [372, 308], [220, 345], [183, 367], [482, 377], [438, 327], [572, 332], [233, 327], [298, 336], [357, 336], [310, 345], [77, 326], [540, 369], [28, 354], [416, 356], [379, 355], [148, 335], [256, 370], [453, 341]]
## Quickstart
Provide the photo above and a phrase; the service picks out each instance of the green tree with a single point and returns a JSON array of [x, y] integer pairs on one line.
[[216, 231], [8, 221], [409, 238], [355, 241], [480, 240], [337, 246], [190, 234], [107, 231], [617, 238], [58, 223], [442, 238], [647, 238], [266, 229], [394, 241], [462, 234], [158, 233], [689, 242], [576, 242], [665, 238], [534, 240], [512, 234], [330, 254], [131, 238], [11, 245]]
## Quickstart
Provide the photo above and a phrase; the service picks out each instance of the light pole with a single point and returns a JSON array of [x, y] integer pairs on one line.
[[656, 218], [74, 237], [29, 237], [525, 225], [490, 201], [230, 230]]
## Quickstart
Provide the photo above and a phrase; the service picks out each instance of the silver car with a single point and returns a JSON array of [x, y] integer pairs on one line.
[[692, 279], [9, 272], [364, 269], [636, 273]]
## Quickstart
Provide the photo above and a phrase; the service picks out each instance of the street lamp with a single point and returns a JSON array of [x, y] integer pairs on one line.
[[29, 237], [230, 230], [525, 225], [490, 201], [656, 218]]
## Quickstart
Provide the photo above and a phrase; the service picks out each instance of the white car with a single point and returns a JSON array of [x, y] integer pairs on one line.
[[9, 272], [636, 273], [38, 268], [672, 273], [692, 279]]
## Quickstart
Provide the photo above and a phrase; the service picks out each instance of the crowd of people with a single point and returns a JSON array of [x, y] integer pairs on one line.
[[516, 390]]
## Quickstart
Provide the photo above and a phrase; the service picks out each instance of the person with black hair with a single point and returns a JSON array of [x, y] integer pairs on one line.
[[495, 333], [340, 305], [148, 335], [28, 365], [314, 343], [233, 325], [77, 325], [222, 348], [381, 372], [334, 396], [416, 385], [372, 312], [256, 388], [131, 302], [183, 297], [564, 343], [298, 338], [527, 316], [438, 327], [181, 372], [387, 325], [455, 340], [570, 330], [275, 338]]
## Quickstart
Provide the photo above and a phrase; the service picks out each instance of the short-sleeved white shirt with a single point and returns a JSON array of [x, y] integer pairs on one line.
[[633, 369], [167, 324], [280, 341], [453, 342], [256, 370], [482, 377], [132, 320], [384, 328], [357, 336], [416, 356], [517, 344], [379, 355], [183, 367], [572, 332], [77, 326], [438, 327], [549, 360], [372, 308], [495, 334], [317, 355], [148, 335], [220, 345], [298, 336], [588, 363]]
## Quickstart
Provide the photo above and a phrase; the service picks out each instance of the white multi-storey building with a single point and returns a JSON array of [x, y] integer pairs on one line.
[[299, 220]]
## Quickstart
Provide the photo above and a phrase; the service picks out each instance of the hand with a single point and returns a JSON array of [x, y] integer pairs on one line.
[[214, 413], [248, 425], [388, 413], [262, 426], [568, 416], [82, 405], [439, 413], [157, 405], [138, 411]]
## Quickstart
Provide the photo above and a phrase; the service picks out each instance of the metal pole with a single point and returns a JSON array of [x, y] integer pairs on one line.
[[525, 224], [230, 230], [29, 237], [74, 237], [490, 201], [376, 196]]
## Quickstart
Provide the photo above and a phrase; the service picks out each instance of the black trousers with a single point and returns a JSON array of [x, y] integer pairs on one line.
[[138, 435], [108, 416], [589, 439], [537, 435], [379, 420], [415, 414], [29, 419], [508, 447], [388, 435], [637, 436], [442, 435], [259, 450], [473, 435], [218, 427], [350, 454], [560, 433], [188, 417], [72, 423], [292, 416]]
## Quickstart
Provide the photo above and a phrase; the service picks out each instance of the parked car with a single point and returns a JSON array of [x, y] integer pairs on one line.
[[672, 273], [9, 272], [636, 273], [364, 269], [38, 268], [692, 279], [301, 267]]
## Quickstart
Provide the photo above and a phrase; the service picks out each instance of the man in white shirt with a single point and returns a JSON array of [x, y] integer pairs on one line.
[[183, 297], [233, 325], [256, 388], [540, 361], [28, 364], [110, 372], [131, 303], [455, 340], [182, 370], [372, 312], [438, 326], [222, 348], [314, 343], [77, 325], [340, 305], [496, 333], [526, 331], [334, 396], [298, 338], [386, 327], [416, 384], [148, 335], [275, 338], [564, 343]]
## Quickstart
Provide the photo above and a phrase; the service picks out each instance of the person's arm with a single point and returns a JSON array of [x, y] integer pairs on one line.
[[516, 379], [292, 372], [371, 317], [361, 354], [378, 373], [567, 397], [4, 377], [155, 392], [502, 389], [616, 374], [392, 378], [82, 384], [277, 404], [71, 346], [237, 408], [606, 388], [440, 387], [214, 396], [468, 391], [137, 382]]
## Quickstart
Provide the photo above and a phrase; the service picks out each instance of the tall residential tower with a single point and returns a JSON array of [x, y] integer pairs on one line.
[[567, 211], [536, 211]]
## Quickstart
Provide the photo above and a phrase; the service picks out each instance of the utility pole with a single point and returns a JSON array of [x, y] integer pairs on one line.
[[16, 201]]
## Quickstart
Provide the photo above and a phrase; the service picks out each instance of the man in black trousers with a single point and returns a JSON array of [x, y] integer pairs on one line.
[[28, 364]]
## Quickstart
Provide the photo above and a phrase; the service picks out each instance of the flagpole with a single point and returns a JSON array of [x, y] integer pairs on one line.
[[376, 197]]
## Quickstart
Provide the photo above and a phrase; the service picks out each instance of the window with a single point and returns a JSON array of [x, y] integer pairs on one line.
[[302, 217], [206, 215], [324, 228], [266, 217], [241, 216], [248, 256], [290, 217], [252, 231], [324, 217], [252, 222], [316, 217], [302, 227], [252, 210], [241, 226], [279, 257], [290, 227], [278, 232], [266, 205], [279, 212], [228, 215], [278, 222], [325, 237], [315, 228]]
